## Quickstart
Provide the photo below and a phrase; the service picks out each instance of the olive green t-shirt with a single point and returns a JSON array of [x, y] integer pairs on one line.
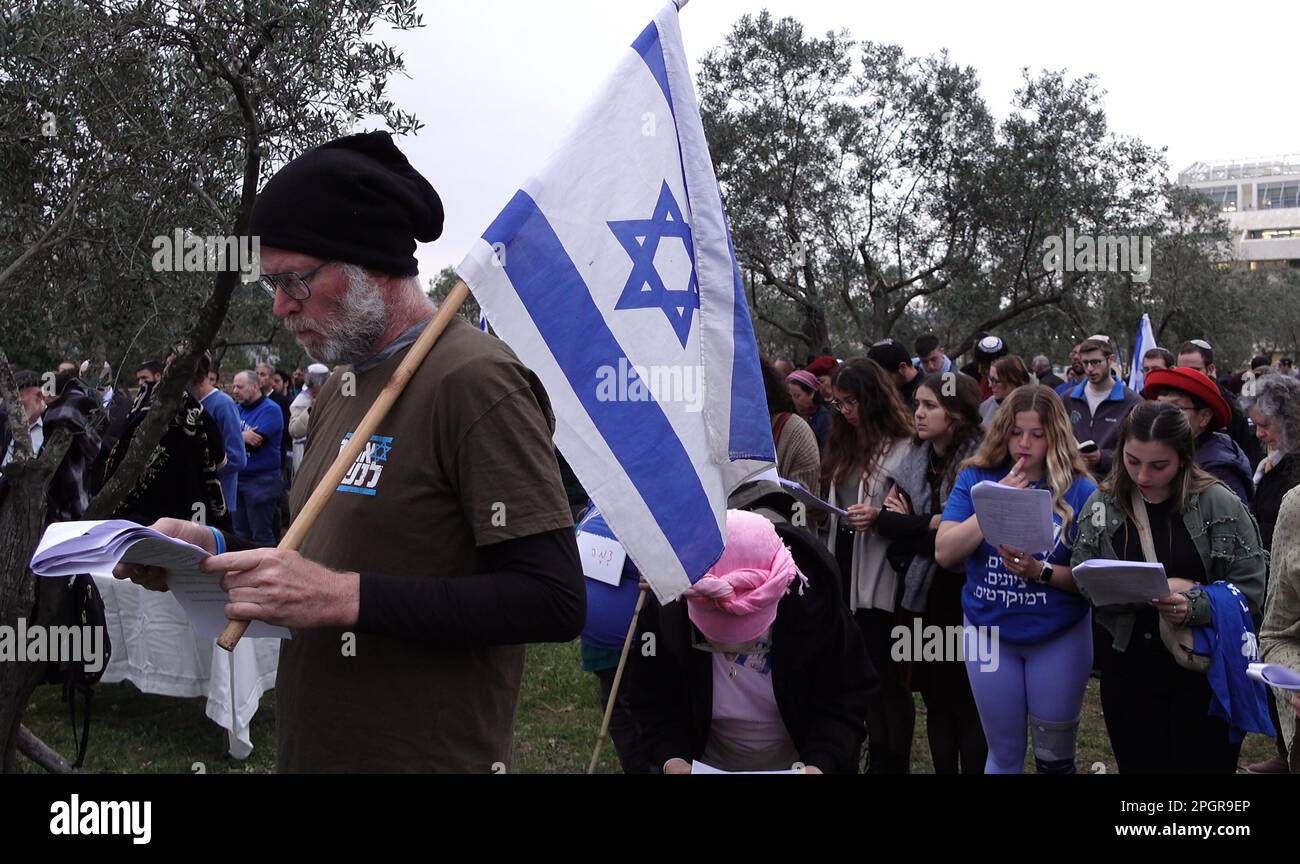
[[463, 459]]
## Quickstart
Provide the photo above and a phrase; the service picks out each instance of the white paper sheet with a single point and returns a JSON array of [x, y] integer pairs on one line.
[[801, 493], [1110, 583], [698, 767], [68, 548], [1020, 518], [602, 558], [1275, 676]]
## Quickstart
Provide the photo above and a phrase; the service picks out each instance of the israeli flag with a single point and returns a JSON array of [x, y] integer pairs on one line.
[[612, 275], [1143, 343]]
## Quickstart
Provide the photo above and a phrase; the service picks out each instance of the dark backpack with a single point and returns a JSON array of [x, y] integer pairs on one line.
[[87, 608]]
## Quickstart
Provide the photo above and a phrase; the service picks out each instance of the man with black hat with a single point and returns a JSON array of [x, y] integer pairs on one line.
[[449, 544], [1207, 412], [891, 355]]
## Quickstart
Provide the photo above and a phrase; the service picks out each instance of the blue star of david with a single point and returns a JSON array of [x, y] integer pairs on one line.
[[379, 453], [645, 288]]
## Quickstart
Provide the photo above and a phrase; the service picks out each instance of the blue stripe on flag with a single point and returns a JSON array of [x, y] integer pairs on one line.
[[637, 432], [647, 45], [750, 437]]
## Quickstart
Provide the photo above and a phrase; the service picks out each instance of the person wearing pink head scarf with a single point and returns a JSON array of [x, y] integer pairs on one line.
[[758, 667]]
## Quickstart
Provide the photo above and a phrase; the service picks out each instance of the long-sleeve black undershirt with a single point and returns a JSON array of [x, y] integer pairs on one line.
[[529, 589]]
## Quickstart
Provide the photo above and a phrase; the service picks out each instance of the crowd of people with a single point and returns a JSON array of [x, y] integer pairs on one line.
[[1191, 472], [461, 547], [226, 457]]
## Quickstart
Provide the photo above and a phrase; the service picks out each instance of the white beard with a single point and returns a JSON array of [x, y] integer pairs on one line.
[[359, 323]]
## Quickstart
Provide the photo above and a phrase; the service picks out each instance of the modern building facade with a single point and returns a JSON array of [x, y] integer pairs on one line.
[[1260, 198]]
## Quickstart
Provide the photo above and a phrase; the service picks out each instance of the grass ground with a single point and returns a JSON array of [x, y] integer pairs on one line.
[[559, 717]]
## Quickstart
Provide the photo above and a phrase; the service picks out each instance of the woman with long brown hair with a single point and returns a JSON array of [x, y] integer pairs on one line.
[[1043, 647], [1005, 375], [1157, 712], [869, 433], [948, 432]]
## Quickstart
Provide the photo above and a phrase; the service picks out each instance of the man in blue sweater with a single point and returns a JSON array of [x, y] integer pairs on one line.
[[226, 414], [259, 481]]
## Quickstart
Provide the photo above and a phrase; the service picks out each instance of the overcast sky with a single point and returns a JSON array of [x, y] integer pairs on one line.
[[497, 82]]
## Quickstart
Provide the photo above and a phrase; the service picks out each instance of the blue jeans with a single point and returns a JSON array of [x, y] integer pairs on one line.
[[255, 516]]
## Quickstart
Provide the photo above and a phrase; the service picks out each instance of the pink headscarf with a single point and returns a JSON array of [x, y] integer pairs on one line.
[[735, 602], [807, 379]]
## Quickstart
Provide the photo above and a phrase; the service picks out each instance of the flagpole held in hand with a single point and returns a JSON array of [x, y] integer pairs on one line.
[[618, 678], [374, 416]]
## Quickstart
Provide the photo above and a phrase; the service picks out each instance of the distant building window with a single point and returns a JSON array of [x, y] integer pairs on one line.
[[1275, 195], [1272, 233], [1224, 197]]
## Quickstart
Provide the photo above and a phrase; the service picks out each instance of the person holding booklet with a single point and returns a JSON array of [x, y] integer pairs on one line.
[[1044, 626], [1157, 711], [869, 436], [757, 668], [948, 431]]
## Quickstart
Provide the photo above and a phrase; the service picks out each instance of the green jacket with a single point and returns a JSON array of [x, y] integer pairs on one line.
[[1221, 528], [1279, 636]]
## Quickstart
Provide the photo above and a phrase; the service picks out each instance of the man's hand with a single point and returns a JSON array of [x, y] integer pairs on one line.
[[155, 578], [279, 586], [251, 437], [1091, 458]]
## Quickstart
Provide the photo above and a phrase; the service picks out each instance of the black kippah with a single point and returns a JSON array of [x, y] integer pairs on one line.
[[355, 199]]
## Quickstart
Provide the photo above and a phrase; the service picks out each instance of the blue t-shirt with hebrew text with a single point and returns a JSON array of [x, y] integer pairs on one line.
[[1025, 612]]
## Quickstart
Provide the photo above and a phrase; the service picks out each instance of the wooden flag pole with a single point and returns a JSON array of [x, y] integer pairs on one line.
[[618, 679], [374, 416]]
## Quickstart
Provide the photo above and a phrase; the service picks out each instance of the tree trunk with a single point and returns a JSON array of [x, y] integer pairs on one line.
[[22, 519]]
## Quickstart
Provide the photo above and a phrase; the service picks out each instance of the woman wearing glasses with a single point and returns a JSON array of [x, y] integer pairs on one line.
[[759, 669], [1043, 628], [1006, 374], [870, 435]]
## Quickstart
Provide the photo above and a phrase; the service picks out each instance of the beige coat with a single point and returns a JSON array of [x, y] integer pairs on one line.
[[874, 582], [1279, 635]]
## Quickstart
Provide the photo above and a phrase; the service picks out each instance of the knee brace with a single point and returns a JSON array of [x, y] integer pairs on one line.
[[1054, 742]]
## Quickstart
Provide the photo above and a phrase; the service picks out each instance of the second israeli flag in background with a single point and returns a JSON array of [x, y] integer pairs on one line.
[[612, 275]]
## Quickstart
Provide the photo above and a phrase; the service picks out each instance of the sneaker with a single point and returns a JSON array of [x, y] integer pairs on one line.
[[1276, 765]]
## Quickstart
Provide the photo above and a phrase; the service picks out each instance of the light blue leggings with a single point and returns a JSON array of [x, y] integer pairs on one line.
[[1036, 686]]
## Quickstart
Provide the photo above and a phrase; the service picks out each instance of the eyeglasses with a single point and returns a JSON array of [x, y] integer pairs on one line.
[[295, 285], [993, 382], [843, 405], [1094, 362]]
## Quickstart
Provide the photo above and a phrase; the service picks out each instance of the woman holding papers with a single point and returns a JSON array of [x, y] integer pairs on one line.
[[948, 432], [1157, 712], [1028, 601], [870, 433]]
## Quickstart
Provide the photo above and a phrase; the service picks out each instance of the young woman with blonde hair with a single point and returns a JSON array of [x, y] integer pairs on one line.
[[1040, 669]]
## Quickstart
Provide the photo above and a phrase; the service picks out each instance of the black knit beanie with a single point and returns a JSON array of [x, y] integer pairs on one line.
[[355, 199]]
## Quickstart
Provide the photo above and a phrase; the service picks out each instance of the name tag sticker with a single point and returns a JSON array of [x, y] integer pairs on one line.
[[602, 558]]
